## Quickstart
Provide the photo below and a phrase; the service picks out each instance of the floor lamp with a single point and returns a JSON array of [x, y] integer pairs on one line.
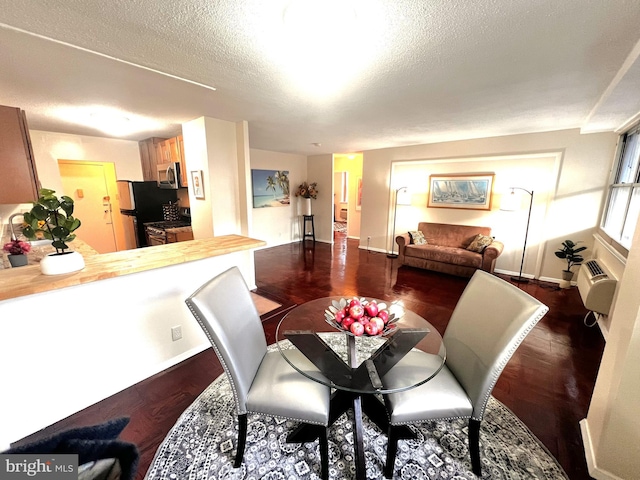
[[511, 203], [393, 233]]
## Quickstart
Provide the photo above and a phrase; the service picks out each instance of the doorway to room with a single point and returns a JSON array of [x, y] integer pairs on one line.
[[347, 180], [92, 186]]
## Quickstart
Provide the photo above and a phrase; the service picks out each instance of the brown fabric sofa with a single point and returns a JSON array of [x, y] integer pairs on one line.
[[446, 249]]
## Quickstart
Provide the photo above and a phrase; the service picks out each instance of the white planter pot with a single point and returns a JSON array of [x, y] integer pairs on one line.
[[305, 206], [59, 263]]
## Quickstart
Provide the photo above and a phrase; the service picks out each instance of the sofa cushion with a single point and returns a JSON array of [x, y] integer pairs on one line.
[[448, 235], [480, 243], [438, 253], [417, 237]]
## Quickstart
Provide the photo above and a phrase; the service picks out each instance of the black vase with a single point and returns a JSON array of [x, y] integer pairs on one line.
[[18, 260]]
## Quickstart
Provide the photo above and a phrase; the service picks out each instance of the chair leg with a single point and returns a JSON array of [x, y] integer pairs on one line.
[[323, 440], [474, 445], [242, 439], [392, 450]]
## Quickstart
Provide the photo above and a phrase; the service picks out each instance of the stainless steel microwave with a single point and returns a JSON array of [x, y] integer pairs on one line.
[[169, 175]]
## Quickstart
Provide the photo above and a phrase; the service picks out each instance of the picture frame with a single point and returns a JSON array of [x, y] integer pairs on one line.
[[270, 188], [359, 194], [196, 184], [470, 191]]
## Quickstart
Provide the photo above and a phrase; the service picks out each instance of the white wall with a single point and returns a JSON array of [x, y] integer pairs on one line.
[[64, 350], [211, 145], [611, 431], [577, 191], [49, 147], [534, 172], [278, 225], [320, 170]]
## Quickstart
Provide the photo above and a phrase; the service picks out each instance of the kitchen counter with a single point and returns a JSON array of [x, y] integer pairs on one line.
[[17, 282], [38, 253]]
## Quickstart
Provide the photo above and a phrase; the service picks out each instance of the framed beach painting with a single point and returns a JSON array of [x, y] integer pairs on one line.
[[468, 191], [270, 188]]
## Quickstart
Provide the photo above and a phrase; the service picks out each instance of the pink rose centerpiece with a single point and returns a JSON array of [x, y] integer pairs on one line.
[[17, 247], [17, 250]]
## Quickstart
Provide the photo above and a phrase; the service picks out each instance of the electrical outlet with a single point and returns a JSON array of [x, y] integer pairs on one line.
[[176, 332]]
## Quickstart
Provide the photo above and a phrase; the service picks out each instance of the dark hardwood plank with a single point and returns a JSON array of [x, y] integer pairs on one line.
[[547, 384]]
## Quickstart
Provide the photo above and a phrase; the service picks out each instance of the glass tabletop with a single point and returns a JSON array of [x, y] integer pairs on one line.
[[406, 356]]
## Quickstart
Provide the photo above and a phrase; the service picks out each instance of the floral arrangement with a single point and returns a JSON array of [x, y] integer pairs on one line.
[[307, 190], [17, 247]]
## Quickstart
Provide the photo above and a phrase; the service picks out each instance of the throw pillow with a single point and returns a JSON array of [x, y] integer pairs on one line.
[[417, 237], [479, 243]]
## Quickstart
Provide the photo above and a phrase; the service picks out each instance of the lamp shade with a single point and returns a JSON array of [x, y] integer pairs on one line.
[[510, 201], [404, 197]]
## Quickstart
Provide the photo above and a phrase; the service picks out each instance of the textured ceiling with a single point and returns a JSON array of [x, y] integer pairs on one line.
[[350, 75]]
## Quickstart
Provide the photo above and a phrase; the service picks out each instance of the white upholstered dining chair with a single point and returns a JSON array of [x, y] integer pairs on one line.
[[488, 324], [262, 382]]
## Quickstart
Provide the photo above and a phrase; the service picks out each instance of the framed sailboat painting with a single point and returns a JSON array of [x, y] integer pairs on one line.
[[470, 191]]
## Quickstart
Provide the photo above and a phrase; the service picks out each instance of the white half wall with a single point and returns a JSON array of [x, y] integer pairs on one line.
[[64, 350]]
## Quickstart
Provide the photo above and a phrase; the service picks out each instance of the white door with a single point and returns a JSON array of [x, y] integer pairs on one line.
[[86, 183]]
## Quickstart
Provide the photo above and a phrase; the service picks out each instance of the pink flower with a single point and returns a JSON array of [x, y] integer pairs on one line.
[[16, 247]]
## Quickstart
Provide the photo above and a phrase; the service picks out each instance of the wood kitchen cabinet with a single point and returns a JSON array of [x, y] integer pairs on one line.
[[183, 163], [172, 150], [19, 180], [179, 235], [150, 158]]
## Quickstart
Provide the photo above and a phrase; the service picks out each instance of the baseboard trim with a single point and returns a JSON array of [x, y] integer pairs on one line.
[[589, 454], [372, 249]]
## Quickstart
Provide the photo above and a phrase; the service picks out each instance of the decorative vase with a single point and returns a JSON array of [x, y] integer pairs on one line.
[[18, 260], [59, 263], [306, 206]]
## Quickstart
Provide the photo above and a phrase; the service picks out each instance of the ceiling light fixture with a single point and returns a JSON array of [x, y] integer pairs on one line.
[[315, 39], [111, 121]]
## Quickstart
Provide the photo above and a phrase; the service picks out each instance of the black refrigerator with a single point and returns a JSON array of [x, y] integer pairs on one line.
[[140, 203]]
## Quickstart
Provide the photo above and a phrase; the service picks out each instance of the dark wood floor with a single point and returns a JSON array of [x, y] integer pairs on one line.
[[547, 384]]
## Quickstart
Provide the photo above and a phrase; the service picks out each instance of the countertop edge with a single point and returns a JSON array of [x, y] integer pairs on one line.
[[18, 282]]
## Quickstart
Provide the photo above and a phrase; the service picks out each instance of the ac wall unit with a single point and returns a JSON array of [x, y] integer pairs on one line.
[[596, 286]]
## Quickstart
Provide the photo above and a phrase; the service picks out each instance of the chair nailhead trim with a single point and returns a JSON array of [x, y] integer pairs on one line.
[[241, 410]]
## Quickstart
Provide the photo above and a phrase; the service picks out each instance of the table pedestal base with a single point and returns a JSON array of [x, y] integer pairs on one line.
[[341, 402]]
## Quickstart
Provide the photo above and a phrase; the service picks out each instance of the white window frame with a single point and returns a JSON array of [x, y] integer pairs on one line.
[[620, 215]]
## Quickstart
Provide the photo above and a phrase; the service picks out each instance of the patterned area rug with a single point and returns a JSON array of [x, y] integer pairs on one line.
[[201, 445], [340, 227]]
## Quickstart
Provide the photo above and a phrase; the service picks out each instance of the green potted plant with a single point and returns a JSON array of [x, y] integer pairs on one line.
[[570, 253], [52, 218]]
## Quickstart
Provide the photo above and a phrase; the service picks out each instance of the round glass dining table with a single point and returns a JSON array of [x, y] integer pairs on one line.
[[409, 354]]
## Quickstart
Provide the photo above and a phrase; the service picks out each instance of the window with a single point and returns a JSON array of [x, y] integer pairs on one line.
[[623, 204], [344, 192]]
